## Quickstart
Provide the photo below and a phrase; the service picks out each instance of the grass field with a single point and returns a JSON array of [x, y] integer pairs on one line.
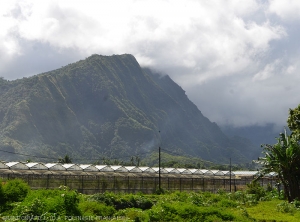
[[19, 203]]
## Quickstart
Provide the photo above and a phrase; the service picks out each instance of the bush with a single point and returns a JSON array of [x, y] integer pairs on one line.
[[133, 214], [2, 200], [92, 208], [15, 190], [198, 199], [243, 198], [187, 212], [35, 208], [227, 203], [286, 207], [296, 203], [255, 188], [47, 204], [123, 201], [71, 201]]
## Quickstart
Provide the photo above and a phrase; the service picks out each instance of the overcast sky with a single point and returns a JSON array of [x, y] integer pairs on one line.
[[237, 60]]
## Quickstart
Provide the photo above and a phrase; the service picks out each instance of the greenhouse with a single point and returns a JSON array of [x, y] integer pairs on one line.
[[88, 178]]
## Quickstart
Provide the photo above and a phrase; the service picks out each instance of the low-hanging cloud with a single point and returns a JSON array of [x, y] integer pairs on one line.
[[237, 60]]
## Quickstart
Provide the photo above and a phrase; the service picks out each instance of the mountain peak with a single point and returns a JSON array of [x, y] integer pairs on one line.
[[107, 107]]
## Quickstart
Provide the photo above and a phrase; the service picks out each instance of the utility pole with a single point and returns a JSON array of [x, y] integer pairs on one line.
[[230, 174], [159, 179]]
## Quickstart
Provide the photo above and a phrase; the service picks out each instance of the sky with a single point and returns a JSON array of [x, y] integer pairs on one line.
[[237, 60]]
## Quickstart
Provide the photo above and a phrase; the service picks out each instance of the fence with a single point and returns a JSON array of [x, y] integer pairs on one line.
[[132, 183]]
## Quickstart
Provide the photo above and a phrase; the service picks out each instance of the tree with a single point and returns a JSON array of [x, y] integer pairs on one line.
[[284, 159], [294, 121], [66, 159]]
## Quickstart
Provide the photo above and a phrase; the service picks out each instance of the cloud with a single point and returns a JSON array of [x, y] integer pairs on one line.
[[287, 10], [235, 59], [268, 71]]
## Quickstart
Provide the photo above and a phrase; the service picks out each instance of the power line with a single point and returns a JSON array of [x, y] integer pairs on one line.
[[22, 154], [43, 157]]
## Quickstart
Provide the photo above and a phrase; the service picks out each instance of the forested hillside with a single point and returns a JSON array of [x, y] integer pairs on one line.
[[107, 107]]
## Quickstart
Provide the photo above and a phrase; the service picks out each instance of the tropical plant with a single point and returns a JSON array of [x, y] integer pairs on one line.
[[284, 159], [293, 121], [66, 159]]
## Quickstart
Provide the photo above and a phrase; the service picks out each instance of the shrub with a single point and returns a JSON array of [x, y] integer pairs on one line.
[[71, 201], [133, 214], [227, 203], [255, 188], [15, 190], [123, 201], [48, 204], [244, 198], [187, 212], [198, 199], [29, 210], [92, 208], [285, 207], [296, 203], [2, 200]]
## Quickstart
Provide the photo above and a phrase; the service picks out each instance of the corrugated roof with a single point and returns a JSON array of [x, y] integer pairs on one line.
[[184, 171], [104, 168], [3, 165], [133, 169], [196, 171], [55, 166], [245, 173], [72, 166], [88, 167], [217, 172], [147, 170], [58, 168], [36, 166], [17, 166]]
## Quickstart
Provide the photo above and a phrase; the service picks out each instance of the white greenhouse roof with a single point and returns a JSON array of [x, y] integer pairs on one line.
[[3, 165], [217, 172], [133, 169], [184, 171], [227, 173], [119, 169], [54, 166], [172, 170], [89, 169], [36, 166], [71, 166], [245, 173], [196, 171], [207, 172], [104, 168], [147, 170], [162, 170], [17, 166]]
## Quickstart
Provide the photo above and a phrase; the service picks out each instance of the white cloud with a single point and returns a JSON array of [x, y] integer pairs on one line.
[[288, 9], [267, 72], [225, 54]]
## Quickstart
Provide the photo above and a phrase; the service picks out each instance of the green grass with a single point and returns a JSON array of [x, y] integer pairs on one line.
[[253, 204], [267, 211]]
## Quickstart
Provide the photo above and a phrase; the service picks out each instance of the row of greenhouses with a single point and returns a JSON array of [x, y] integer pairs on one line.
[[59, 168]]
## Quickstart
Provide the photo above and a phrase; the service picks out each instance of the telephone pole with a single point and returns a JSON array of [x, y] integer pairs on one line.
[[159, 178], [230, 174]]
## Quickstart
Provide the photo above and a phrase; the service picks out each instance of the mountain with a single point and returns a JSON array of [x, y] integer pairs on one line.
[[107, 107], [258, 135]]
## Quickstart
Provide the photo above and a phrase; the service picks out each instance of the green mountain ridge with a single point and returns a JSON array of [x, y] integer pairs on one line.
[[107, 106]]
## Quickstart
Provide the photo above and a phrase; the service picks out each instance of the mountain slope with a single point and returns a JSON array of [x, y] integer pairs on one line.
[[107, 106]]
